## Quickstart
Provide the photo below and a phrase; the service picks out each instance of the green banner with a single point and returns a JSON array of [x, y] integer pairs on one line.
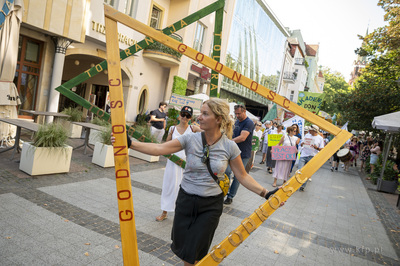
[[310, 101]]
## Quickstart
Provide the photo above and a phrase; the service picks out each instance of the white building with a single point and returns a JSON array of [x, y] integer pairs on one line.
[[62, 39]]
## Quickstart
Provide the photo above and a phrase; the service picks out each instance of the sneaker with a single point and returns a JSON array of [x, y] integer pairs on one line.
[[331, 169], [301, 189], [228, 201], [336, 169]]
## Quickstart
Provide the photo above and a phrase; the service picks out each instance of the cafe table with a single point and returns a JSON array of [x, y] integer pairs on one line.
[[19, 123]]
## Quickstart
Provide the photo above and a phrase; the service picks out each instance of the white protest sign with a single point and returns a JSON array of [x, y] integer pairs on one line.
[[179, 101], [295, 120]]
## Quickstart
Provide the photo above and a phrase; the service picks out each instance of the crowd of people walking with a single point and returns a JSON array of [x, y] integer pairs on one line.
[[221, 146]]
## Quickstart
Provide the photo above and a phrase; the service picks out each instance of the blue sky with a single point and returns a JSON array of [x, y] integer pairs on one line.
[[334, 24]]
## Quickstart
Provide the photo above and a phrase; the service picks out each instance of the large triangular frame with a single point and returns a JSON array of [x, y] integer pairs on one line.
[[249, 224]]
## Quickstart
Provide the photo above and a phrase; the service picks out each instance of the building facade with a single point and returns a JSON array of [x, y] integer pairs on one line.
[[61, 39], [312, 57], [256, 49]]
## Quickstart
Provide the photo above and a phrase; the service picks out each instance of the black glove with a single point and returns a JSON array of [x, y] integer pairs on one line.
[[128, 140], [270, 193]]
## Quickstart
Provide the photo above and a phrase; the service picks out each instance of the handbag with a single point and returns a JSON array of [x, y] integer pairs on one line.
[[223, 184]]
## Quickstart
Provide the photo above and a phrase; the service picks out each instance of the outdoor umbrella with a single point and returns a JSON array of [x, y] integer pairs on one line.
[[391, 124], [9, 36]]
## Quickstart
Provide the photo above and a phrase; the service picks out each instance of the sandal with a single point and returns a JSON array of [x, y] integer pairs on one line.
[[270, 170], [161, 218]]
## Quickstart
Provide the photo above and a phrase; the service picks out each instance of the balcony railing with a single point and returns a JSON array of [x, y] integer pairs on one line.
[[299, 61], [289, 76], [163, 54]]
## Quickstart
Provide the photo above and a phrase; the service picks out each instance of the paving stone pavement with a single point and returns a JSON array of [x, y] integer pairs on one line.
[[72, 219]]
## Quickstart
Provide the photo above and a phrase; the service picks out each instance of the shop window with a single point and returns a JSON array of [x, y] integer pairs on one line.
[[65, 102], [156, 17], [199, 37], [27, 73]]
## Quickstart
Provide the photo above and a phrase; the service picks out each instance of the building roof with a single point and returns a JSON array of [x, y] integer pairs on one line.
[[312, 49], [295, 44], [320, 75], [292, 50]]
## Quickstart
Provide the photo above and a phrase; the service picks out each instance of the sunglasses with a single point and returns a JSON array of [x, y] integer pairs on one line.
[[240, 106], [258, 125], [188, 116], [206, 154]]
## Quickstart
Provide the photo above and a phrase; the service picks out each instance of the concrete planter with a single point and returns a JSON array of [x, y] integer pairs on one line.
[[103, 155], [387, 186], [94, 136], [144, 157], [43, 161], [74, 131]]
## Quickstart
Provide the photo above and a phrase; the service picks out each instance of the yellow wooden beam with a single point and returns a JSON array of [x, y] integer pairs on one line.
[[249, 224], [121, 153]]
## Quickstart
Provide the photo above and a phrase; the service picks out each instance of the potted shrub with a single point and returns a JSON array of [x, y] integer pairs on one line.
[[389, 181], [145, 130], [48, 153], [75, 115], [95, 135], [103, 154]]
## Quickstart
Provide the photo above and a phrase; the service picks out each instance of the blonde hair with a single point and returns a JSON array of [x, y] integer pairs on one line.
[[220, 109]]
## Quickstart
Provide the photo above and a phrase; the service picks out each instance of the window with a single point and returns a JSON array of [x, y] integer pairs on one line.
[[130, 7], [156, 16], [199, 37], [143, 99], [111, 3], [27, 73], [291, 96]]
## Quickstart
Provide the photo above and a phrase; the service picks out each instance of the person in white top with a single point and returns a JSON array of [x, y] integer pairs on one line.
[[257, 133], [268, 129], [312, 144]]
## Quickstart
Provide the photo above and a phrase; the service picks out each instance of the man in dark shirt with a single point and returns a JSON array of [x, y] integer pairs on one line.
[[158, 122], [242, 135]]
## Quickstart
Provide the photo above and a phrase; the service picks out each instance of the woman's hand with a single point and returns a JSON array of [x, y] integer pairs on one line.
[[272, 192]]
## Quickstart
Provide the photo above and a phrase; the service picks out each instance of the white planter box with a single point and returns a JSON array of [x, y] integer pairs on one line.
[[43, 161], [142, 156], [103, 155], [94, 136], [74, 131]]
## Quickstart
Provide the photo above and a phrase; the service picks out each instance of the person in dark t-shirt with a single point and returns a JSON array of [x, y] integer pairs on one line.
[[158, 122], [242, 135]]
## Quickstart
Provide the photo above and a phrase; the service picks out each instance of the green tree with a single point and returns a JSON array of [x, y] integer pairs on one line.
[[377, 90], [334, 84], [385, 38]]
